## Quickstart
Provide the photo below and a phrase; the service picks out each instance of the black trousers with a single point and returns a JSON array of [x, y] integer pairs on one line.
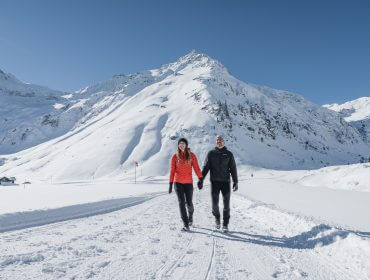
[[185, 196], [225, 189]]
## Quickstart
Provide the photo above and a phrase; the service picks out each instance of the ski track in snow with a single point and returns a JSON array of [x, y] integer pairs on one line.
[[145, 242]]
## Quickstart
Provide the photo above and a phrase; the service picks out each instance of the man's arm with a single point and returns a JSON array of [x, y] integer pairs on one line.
[[206, 166], [232, 169]]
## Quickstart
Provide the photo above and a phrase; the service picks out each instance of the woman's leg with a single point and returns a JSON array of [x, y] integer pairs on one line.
[[188, 189], [179, 188]]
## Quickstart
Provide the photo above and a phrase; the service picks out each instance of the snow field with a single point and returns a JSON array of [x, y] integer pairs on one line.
[[145, 242]]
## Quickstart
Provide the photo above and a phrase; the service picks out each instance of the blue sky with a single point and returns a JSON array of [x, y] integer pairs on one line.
[[319, 49]]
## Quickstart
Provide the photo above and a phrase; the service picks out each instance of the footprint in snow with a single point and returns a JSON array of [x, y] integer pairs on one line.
[[184, 264], [89, 274], [47, 268], [22, 259], [102, 264], [276, 274], [244, 271]]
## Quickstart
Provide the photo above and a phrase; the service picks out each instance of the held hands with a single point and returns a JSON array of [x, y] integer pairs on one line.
[[200, 184], [170, 187], [235, 187]]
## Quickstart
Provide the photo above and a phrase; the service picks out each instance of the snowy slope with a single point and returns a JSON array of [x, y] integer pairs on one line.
[[139, 118], [356, 112], [31, 114]]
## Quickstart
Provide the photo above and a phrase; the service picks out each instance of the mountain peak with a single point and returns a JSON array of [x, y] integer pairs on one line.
[[193, 60], [3, 75], [354, 110], [7, 76], [195, 57]]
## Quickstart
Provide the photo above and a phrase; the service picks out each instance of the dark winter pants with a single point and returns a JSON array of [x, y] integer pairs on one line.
[[225, 189], [185, 194]]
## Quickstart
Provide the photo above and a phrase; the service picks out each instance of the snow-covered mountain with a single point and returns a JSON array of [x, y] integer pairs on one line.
[[356, 112], [104, 128], [30, 114]]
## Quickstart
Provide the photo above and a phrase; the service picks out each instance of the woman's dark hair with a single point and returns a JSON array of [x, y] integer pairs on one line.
[[187, 151]]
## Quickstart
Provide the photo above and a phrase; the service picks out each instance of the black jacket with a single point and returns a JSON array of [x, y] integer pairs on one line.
[[221, 163]]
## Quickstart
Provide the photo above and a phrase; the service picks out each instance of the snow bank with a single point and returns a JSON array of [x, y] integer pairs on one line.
[[346, 208], [41, 204]]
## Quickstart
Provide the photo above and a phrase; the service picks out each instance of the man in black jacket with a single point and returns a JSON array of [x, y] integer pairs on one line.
[[221, 163]]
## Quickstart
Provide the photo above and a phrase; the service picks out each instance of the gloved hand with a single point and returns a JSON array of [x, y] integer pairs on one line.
[[235, 187], [200, 184], [170, 187]]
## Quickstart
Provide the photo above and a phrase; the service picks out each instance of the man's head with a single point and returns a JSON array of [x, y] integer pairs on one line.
[[220, 143]]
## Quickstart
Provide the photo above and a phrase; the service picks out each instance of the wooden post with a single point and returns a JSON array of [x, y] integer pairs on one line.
[[135, 170]]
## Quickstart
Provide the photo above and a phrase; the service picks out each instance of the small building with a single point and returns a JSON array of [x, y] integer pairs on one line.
[[6, 180]]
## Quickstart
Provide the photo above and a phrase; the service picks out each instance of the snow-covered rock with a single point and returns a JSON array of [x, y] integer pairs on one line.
[[356, 112]]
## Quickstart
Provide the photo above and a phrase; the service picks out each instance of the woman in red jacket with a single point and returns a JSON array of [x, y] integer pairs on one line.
[[182, 163]]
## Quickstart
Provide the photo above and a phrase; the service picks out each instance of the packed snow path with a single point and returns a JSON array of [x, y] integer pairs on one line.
[[145, 242]]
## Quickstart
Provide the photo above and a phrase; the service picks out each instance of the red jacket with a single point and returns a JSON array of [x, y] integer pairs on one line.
[[181, 170]]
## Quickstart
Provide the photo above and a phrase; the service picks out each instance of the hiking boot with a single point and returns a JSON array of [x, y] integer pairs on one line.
[[190, 221], [225, 229], [217, 223], [185, 228]]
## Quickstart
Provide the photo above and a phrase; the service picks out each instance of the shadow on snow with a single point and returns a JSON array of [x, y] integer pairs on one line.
[[318, 236]]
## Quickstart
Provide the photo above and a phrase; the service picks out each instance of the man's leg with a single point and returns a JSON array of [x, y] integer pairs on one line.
[[226, 192], [215, 192], [179, 188], [188, 189]]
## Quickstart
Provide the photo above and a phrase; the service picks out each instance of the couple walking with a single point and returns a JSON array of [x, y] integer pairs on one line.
[[220, 162]]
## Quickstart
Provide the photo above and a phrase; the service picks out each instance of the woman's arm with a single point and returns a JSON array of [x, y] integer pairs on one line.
[[172, 168], [196, 166]]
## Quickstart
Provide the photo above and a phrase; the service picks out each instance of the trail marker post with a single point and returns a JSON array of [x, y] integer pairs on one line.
[[136, 164]]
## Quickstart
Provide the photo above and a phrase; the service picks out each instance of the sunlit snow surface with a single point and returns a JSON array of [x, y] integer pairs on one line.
[[123, 230]]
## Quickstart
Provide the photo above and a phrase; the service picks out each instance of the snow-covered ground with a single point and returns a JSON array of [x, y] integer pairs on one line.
[[280, 229], [344, 177], [43, 203]]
